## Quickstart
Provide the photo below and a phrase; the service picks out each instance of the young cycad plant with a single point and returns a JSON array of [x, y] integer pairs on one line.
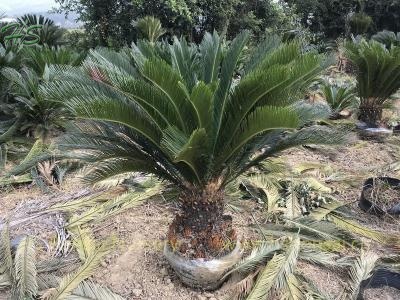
[[34, 114], [37, 57], [190, 122], [338, 98], [378, 77], [388, 38], [151, 28]]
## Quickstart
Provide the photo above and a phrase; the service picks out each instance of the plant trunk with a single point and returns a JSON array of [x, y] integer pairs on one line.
[[201, 230], [371, 115]]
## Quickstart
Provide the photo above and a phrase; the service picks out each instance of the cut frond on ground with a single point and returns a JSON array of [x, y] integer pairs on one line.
[[71, 281], [83, 242], [361, 270], [113, 207], [276, 272], [90, 290], [25, 269], [257, 257]]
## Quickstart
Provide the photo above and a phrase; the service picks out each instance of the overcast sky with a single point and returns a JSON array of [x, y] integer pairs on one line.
[[17, 7]]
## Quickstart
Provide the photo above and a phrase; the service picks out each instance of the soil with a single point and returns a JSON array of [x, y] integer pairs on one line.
[[136, 269]]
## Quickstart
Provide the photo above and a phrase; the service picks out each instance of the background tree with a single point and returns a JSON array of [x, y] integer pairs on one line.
[[112, 21], [329, 16], [108, 22]]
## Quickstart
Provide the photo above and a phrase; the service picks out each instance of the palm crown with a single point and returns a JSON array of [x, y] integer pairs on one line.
[[192, 121]]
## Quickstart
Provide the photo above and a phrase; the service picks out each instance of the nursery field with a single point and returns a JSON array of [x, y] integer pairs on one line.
[[201, 150], [136, 267]]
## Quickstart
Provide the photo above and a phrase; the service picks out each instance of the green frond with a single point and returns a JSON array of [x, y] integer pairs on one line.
[[83, 242], [210, 57], [124, 112], [71, 281], [201, 98], [261, 120], [184, 60], [227, 72], [25, 269], [192, 151], [270, 43], [167, 81], [312, 135]]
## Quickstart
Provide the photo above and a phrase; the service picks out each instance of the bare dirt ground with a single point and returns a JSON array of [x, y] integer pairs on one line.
[[136, 269]]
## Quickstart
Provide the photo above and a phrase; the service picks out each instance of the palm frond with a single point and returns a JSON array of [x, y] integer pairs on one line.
[[112, 207], [312, 254], [83, 242], [355, 227], [276, 272], [361, 270], [89, 290], [150, 27], [6, 257], [295, 289], [71, 281], [25, 269], [257, 257]]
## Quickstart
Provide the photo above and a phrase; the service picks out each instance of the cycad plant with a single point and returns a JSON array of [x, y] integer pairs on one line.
[[30, 112], [338, 98], [37, 57], [195, 122], [151, 28], [50, 34], [378, 77], [388, 38]]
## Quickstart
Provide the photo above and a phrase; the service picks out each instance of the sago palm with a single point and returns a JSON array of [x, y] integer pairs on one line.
[[33, 114], [378, 76], [151, 28], [338, 97], [195, 122], [49, 34]]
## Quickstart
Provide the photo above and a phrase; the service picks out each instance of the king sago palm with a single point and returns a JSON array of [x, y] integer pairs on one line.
[[194, 119]]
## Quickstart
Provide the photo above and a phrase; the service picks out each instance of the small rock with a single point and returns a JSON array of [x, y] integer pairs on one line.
[[170, 286], [164, 272], [209, 295], [201, 297], [137, 292], [104, 264], [167, 281]]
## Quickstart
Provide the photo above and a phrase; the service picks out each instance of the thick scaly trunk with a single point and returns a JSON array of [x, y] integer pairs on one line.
[[201, 230], [370, 114]]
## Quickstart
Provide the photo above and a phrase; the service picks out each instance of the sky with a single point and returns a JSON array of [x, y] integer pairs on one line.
[[18, 7]]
